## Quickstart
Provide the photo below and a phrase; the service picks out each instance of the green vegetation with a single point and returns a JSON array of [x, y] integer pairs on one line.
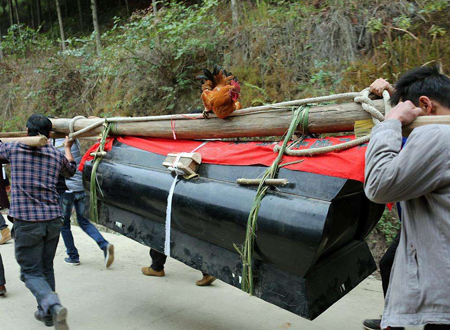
[[389, 225], [279, 50]]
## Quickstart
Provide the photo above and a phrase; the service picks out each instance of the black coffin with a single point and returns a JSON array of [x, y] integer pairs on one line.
[[309, 249]]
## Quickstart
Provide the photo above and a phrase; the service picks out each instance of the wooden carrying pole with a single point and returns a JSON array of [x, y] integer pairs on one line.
[[32, 141], [274, 122], [322, 119]]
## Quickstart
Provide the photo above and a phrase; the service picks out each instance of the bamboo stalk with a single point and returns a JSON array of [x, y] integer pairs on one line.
[[257, 182], [32, 141]]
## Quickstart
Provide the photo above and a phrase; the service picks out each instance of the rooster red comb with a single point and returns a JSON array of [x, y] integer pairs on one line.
[[236, 86]]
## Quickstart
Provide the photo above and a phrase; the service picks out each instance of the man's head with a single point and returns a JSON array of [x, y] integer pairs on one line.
[[39, 125], [427, 88]]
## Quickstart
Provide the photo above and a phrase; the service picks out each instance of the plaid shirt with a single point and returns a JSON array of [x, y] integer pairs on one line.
[[34, 174]]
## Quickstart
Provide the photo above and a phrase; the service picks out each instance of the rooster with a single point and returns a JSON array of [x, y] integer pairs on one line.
[[220, 92]]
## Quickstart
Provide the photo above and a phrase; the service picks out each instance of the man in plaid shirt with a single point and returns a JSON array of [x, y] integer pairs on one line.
[[37, 215]]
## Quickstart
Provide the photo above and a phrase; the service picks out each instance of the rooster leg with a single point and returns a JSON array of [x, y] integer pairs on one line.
[[205, 114]]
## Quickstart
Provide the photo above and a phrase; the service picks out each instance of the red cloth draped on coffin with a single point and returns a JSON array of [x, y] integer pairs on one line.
[[347, 164]]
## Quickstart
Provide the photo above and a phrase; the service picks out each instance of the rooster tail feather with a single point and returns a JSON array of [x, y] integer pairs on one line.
[[216, 70], [208, 74]]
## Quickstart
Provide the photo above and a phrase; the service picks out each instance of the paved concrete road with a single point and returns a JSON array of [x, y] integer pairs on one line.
[[122, 298]]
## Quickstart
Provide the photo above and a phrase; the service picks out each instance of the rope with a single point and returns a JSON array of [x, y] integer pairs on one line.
[[168, 225], [94, 183], [367, 105], [246, 252], [72, 123]]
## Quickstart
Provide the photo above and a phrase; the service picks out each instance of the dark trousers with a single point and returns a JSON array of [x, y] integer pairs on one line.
[[387, 262], [35, 245], [437, 327], [68, 201], [159, 259], [2, 272]]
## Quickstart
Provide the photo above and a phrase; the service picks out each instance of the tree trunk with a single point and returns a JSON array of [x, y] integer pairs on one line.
[[16, 10], [11, 9], [128, 7], [31, 10], [96, 26], [61, 27], [80, 15], [155, 7], [234, 11], [66, 9], [1, 47], [39, 12], [49, 9]]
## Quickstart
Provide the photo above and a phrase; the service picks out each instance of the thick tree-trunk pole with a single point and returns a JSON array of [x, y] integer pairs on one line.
[[322, 119], [96, 26], [80, 15], [61, 26], [155, 7], [39, 12], [234, 12]]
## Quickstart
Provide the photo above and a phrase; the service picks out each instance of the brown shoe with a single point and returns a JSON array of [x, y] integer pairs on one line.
[[6, 235], [206, 280], [149, 271]]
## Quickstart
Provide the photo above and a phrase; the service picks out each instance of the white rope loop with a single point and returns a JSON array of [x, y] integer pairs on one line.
[[367, 105]]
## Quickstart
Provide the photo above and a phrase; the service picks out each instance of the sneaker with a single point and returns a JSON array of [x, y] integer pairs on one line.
[[372, 324], [149, 271], [73, 262], [2, 290], [109, 255], [5, 235], [375, 325], [59, 314], [206, 280], [47, 320]]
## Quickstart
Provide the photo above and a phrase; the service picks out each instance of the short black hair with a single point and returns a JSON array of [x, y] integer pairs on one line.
[[424, 81], [39, 125]]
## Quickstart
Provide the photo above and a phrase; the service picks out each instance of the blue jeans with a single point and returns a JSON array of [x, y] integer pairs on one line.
[[35, 248], [68, 201]]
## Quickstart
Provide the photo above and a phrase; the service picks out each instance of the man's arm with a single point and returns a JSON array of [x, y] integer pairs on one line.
[[394, 174], [69, 167]]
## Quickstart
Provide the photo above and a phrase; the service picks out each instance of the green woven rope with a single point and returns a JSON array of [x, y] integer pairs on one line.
[[93, 195], [246, 252]]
